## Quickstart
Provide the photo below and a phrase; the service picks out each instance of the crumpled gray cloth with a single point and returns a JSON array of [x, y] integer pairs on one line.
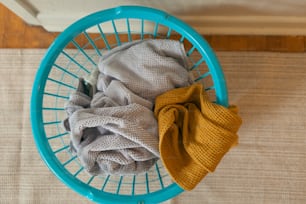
[[115, 132], [148, 68], [110, 118]]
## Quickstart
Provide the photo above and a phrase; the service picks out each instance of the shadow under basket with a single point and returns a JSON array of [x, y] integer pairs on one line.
[[75, 54]]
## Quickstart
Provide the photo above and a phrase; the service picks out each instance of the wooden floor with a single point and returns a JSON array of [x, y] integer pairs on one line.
[[15, 33]]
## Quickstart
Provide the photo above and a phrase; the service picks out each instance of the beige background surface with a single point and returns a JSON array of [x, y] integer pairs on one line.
[[269, 165], [273, 17]]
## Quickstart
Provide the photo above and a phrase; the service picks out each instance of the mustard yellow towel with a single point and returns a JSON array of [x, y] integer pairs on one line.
[[194, 133]]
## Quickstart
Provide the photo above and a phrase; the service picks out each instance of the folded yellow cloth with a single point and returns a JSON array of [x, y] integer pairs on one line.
[[194, 133]]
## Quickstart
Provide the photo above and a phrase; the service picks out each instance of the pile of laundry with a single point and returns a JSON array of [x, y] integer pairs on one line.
[[142, 105]]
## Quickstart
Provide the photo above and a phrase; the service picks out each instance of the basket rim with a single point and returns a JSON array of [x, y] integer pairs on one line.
[[138, 12]]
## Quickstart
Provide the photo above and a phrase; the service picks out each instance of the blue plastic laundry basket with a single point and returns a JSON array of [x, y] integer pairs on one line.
[[75, 53]]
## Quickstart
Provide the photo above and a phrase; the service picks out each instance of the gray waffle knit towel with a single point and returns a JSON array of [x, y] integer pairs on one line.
[[148, 68], [113, 129], [115, 132]]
